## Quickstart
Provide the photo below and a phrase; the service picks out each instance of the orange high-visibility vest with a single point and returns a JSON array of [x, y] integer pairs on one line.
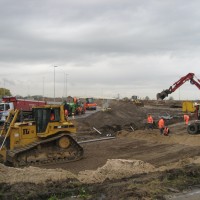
[[150, 119], [52, 117], [186, 118], [161, 123], [166, 131]]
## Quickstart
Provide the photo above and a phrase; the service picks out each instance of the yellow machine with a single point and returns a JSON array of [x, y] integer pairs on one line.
[[137, 101], [42, 136], [188, 106]]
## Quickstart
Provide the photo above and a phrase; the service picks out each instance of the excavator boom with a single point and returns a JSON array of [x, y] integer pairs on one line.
[[177, 84]]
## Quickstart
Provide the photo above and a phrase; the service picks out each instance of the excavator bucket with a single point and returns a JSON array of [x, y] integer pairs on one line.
[[162, 95]]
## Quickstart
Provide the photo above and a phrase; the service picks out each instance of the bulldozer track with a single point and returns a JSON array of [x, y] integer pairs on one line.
[[21, 157], [12, 154]]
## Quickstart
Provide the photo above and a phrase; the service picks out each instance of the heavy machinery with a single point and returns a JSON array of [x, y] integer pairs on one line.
[[75, 108], [90, 104], [80, 108], [40, 137], [8, 103], [188, 106], [194, 127], [135, 99], [176, 85]]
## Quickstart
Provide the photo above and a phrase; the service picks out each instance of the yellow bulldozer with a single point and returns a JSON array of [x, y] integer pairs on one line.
[[42, 136], [135, 99]]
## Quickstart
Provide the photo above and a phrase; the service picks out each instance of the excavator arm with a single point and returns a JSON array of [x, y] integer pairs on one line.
[[177, 84]]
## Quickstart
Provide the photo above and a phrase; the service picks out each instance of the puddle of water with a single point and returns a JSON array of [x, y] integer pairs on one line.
[[193, 195]]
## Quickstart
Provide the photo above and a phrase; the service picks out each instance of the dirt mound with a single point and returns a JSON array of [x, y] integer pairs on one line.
[[115, 169], [32, 175], [121, 114], [124, 116]]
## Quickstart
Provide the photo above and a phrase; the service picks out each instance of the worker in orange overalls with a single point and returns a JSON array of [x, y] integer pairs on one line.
[[186, 118], [150, 121], [161, 125]]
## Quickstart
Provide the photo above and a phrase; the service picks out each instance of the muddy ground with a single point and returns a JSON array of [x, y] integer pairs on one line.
[[137, 164]]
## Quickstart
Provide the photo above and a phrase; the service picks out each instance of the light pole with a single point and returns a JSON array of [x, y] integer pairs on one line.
[[4, 90], [43, 87], [54, 83], [66, 85]]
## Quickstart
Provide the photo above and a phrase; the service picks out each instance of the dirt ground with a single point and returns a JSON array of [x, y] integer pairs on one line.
[[136, 164]]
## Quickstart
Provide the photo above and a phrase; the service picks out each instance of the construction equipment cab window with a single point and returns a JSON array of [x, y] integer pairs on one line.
[[44, 116]]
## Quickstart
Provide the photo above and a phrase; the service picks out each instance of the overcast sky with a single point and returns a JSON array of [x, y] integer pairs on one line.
[[101, 47]]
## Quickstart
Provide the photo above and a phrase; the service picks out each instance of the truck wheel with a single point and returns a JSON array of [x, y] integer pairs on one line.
[[192, 129]]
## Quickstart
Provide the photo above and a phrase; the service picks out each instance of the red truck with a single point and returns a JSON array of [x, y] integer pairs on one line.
[[9, 103]]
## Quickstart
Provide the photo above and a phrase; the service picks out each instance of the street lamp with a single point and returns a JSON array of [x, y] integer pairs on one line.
[[66, 84], [43, 87], [54, 82]]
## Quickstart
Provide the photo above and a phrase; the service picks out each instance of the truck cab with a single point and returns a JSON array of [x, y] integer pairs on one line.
[[4, 111]]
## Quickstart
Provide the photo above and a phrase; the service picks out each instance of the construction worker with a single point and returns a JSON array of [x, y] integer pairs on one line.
[[166, 131], [186, 118], [52, 116], [66, 114], [161, 125], [150, 121], [75, 100], [197, 111]]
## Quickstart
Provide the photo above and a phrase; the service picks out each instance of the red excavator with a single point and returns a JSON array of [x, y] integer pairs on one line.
[[176, 85], [194, 127]]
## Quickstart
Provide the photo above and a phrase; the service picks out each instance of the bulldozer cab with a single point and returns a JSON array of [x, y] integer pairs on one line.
[[42, 116], [134, 97]]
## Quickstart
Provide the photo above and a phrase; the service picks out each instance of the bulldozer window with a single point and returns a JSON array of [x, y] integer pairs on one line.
[[56, 112], [42, 117]]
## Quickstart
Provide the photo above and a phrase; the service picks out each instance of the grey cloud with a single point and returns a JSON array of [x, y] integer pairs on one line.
[[134, 41]]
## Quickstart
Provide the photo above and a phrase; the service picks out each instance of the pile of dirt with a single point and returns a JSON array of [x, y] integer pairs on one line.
[[32, 175], [115, 169], [124, 116]]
